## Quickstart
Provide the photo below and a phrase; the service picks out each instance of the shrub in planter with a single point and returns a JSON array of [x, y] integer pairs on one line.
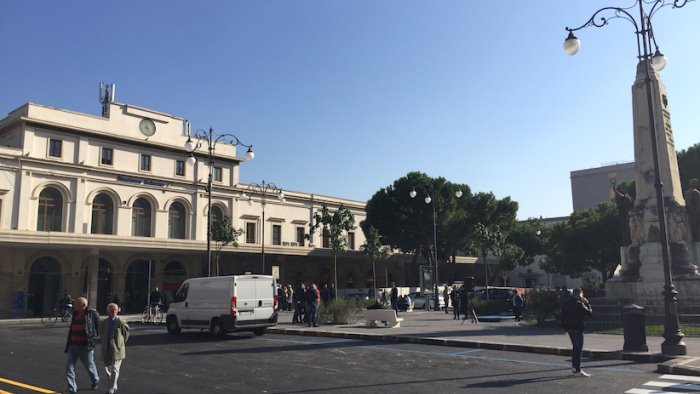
[[543, 304], [340, 311]]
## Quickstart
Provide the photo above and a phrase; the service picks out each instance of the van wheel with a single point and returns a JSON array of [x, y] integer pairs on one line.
[[259, 331], [172, 326], [216, 329]]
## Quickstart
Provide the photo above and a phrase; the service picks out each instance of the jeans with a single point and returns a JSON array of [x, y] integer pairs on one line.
[[86, 356], [576, 337], [313, 308]]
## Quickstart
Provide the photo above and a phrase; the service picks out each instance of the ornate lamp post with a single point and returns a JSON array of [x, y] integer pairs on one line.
[[263, 189], [433, 254], [673, 343], [191, 146]]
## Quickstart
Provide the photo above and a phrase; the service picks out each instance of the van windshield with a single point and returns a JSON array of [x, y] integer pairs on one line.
[[181, 294]]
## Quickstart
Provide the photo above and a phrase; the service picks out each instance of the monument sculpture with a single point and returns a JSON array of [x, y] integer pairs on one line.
[[692, 206]]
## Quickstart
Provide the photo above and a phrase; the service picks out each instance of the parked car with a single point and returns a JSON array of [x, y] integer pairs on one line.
[[358, 297], [502, 298], [418, 300]]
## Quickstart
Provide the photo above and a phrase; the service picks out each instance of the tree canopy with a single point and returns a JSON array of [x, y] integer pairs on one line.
[[590, 239], [406, 223], [689, 164]]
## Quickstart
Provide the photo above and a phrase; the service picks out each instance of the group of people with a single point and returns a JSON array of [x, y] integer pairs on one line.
[[306, 302], [85, 334]]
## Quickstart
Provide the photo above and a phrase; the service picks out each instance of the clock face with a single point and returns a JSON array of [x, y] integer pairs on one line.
[[147, 127]]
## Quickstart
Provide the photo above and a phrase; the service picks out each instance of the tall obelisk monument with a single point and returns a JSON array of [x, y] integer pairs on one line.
[[645, 255]]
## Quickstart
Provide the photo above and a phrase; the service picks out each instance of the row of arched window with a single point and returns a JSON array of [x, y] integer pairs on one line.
[[50, 213]]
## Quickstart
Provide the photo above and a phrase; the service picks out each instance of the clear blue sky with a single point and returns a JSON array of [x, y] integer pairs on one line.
[[341, 98]]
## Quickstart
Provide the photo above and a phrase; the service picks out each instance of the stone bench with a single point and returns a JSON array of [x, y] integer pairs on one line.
[[388, 316]]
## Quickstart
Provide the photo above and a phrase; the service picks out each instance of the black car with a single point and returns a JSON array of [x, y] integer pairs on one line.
[[501, 298]]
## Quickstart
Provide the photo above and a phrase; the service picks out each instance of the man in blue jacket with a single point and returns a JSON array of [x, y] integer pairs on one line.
[[574, 312]]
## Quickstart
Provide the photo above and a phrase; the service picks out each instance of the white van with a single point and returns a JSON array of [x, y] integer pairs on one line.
[[224, 304]]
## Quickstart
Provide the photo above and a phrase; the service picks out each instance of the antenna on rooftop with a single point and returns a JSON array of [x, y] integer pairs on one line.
[[106, 96]]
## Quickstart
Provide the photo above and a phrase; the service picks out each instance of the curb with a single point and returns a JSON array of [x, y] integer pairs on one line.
[[679, 366], [592, 354]]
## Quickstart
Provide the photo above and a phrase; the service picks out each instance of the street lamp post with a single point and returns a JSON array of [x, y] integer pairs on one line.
[[263, 189], [190, 146], [433, 254], [673, 343]]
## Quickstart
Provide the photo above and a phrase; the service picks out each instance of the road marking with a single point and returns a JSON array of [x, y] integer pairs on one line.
[[26, 386], [681, 377], [465, 352], [672, 385], [5, 392], [681, 386]]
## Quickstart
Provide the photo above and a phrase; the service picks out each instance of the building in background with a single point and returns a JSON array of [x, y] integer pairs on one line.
[[104, 205], [592, 186]]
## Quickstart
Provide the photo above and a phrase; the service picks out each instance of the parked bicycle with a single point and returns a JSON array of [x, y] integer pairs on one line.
[[65, 314], [153, 314]]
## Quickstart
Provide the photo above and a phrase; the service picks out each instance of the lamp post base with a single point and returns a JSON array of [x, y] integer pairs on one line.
[[674, 347]]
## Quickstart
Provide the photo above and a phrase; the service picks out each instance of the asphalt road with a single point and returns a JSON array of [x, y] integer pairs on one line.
[[193, 363]]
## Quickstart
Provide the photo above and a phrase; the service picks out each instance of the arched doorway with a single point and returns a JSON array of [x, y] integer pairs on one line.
[[136, 287], [173, 276], [44, 286], [104, 285]]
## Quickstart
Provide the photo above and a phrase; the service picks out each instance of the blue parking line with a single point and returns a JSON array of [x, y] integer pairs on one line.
[[510, 360], [465, 352]]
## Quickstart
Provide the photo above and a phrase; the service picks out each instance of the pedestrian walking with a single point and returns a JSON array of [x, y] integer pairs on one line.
[[290, 298], [446, 297], [394, 297], [299, 301], [82, 336], [314, 298], [573, 315], [517, 304], [454, 295], [114, 332]]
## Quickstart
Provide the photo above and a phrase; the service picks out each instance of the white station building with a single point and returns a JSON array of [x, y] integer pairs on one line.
[[88, 203]]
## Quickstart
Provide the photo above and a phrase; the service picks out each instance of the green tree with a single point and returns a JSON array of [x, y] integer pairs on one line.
[[374, 249], [486, 240], [590, 239], [689, 164], [224, 234], [524, 241], [406, 223], [335, 226]]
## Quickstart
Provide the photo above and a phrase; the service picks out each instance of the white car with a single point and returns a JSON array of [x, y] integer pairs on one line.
[[418, 300]]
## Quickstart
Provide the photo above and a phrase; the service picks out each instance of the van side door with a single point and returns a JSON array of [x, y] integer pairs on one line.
[[265, 292]]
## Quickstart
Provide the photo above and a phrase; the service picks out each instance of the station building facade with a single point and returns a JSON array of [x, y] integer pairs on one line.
[[107, 207]]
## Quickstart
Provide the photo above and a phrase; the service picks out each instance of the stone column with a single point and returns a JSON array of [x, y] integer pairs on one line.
[[93, 267]]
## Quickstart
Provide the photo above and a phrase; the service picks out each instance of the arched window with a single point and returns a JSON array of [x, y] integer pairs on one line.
[[102, 214], [141, 218], [50, 210], [176, 221], [216, 214]]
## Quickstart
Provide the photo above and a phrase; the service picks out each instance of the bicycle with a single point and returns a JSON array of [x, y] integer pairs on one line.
[[152, 314], [52, 317]]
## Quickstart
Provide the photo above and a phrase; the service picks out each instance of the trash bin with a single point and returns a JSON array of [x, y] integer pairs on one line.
[[633, 325]]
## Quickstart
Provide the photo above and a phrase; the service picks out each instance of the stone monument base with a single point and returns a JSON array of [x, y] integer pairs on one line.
[[651, 269]]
